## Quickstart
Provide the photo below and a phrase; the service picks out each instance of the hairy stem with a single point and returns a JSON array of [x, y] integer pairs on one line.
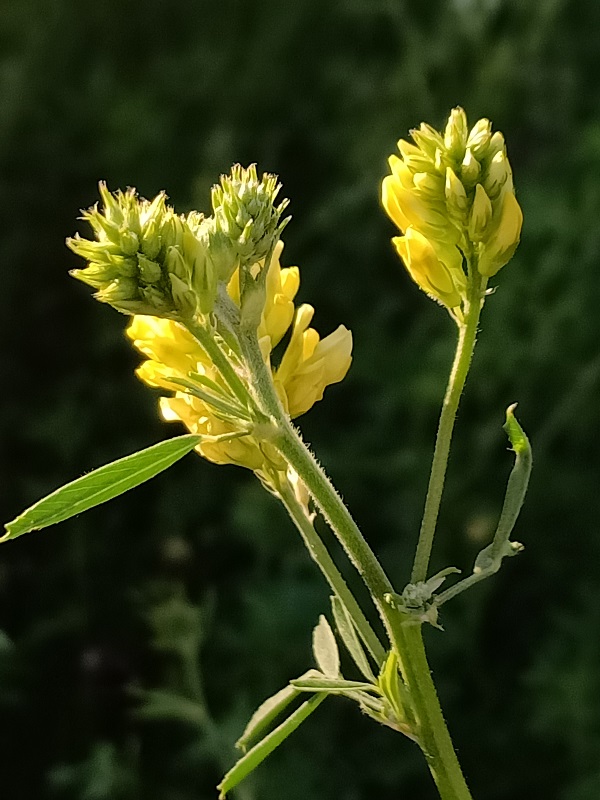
[[406, 640], [321, 557], [458, 375], [433, 735]]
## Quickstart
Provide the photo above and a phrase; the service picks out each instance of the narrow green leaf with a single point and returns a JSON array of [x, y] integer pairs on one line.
[[266, 746], [325, 649], [267, 713], [348, 634], [101, 485], [331, 685]]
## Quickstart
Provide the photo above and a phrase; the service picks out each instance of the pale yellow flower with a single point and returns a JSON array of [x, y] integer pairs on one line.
[[428, 271], [309, 364], [451, 194]]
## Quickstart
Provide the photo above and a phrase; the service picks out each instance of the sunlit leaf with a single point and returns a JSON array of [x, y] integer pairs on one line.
[[101, 485]]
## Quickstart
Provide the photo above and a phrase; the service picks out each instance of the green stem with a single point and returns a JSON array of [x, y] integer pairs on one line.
[[295, 452], [321, 557], [206, 339], [462, 361], [433, 734], [432, 731]]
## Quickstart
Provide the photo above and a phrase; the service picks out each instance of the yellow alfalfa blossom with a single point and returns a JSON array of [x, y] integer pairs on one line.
[[451, 195], [307, 367]]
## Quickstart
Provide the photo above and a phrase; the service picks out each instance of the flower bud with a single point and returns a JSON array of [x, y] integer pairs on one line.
[[150, 271], [481, 214], [427, 139], [145, 257], [498, 173], [245, 212], [470, 168], [500, 247], [455, 135], [479, 138], [456, 196]]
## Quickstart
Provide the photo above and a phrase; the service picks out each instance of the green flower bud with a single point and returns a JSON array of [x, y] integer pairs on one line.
[[427, 139], [414, 158], [456, 196], [479, 138], [245, 212], [150, 271], [498, 174], [481, 215], [428, 185], [128, 242], [455, 135], [145, 258], [118, 290], [470, 169]]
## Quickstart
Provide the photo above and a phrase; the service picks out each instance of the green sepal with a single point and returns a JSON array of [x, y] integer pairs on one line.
[[101, 485]]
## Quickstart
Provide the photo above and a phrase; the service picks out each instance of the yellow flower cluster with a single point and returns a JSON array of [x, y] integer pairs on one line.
[[308, 365], [451, 195]]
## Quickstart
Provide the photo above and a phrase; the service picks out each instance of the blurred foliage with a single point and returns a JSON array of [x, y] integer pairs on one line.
[[102, 615]]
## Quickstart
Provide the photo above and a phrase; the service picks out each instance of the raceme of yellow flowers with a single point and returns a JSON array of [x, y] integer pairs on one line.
[[307, 366], [451, 195], [178, 274]]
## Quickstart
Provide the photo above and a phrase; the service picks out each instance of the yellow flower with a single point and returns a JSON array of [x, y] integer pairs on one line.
[[427, 270], [451, 194], [308, 365]]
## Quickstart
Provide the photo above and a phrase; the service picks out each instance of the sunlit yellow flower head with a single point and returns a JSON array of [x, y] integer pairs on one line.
[[451, 195], [308, 365]]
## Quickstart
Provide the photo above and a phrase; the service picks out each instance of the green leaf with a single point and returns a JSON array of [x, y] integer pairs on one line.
[[348, 634], [325, 649], [100, 485], [267, 713], [331, 685], [266, 746]]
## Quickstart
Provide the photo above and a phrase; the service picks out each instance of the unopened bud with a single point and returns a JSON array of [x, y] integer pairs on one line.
[[469, 169], [481, 214], [427, 139], [479, 138], [455, 135], [245, 211], [500, 247], [150, 271], [498, 173], [456, 196]]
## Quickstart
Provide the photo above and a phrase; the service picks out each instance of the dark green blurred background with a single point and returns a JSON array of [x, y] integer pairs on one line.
[[110, 606]]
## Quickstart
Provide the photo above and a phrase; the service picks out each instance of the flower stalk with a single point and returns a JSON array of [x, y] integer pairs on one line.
[[467, 335]]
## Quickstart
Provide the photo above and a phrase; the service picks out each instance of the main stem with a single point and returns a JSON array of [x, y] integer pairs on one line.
[[407, 641], [462, 361]]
